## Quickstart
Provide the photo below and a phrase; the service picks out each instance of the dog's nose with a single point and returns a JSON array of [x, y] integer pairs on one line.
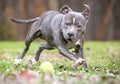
[[70, 34]]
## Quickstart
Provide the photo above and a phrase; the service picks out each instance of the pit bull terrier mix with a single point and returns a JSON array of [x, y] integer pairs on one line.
[[64, 29]]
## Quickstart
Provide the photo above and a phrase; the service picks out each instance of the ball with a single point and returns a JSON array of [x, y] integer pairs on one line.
[[46, 67]]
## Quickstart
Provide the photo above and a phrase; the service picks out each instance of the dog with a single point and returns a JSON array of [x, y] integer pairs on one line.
[[63, 29]]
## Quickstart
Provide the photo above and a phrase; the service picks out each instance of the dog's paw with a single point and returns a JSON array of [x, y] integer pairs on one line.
[[31, 62], [80, 61], [17, 61]]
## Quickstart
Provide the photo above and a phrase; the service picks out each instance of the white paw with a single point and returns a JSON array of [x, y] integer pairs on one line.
[[31, 62], [79, 62], [17, 61]]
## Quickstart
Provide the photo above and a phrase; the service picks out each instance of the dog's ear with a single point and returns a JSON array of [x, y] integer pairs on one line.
[[86, 12], [65, 9]]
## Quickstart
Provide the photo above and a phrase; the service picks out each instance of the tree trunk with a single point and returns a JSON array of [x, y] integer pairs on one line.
[[116, 12], [2, 18]]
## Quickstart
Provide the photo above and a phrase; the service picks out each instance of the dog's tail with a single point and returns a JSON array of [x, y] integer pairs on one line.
[[24, 21]]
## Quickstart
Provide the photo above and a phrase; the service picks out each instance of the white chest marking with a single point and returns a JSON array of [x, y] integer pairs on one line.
[[73, 20]]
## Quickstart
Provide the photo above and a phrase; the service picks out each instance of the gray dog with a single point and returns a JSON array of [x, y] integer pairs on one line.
[[64, 29]]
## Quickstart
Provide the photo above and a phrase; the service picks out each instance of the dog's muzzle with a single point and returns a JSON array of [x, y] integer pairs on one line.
[[71, 37]]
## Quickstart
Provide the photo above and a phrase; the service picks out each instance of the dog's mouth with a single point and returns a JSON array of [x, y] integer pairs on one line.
[[69, 39]]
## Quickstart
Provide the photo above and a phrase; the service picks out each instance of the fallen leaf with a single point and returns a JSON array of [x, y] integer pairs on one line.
[[27, 74]]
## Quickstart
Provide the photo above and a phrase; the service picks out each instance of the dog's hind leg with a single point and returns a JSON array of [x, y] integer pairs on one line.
[[28, 41], [37, 55], [18, 60]]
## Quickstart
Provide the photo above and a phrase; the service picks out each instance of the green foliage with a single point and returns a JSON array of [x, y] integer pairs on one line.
[[102, 58]]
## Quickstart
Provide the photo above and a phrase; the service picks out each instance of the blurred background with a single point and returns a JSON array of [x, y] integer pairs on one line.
[[104, 21]]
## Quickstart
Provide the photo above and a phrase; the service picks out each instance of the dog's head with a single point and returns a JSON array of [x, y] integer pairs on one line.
[[73, 25]]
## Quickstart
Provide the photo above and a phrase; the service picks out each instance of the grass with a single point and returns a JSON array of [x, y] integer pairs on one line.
[[103, 60]]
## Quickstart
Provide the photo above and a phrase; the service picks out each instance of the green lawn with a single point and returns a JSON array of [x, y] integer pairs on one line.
[[103, 60]]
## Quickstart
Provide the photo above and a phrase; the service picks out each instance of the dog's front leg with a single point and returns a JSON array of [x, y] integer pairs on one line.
[[80, 53], [66, 53]]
